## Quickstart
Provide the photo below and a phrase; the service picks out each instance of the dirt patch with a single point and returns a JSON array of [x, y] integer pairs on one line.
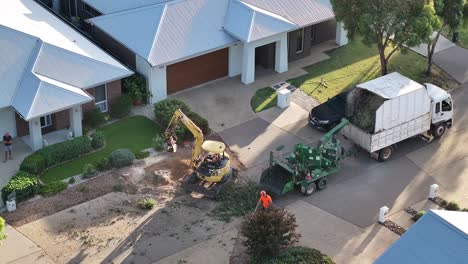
[[175, 166]]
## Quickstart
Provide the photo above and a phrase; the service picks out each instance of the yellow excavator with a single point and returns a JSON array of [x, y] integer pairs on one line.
[[210, 163]]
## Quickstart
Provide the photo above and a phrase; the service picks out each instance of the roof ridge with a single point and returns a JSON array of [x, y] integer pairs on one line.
[[34, 53], [128, 11], [161, 19], [267, 12]]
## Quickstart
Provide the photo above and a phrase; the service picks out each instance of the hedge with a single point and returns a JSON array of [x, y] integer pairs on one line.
[[24, 184], [94, 118], [121, 107], [53, 188], [49, 156], [121, 157], [34, 164], [64, 151]]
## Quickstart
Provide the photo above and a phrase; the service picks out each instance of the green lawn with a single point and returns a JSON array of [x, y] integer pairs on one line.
[[134, 133], [462, 36], [263, 99], [355, 63]]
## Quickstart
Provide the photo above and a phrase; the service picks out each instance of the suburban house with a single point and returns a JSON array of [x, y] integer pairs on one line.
[[50, 74], [179, 44], [438, 237]]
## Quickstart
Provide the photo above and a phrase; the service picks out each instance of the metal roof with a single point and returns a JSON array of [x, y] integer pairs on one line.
[[171, 31], [168, 32], [29, 17], [438, 237], [249, 23], [113, 6], [391, 85], [300, 12]]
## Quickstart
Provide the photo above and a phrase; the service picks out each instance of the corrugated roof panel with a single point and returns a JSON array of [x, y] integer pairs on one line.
[[300, 12], [15, 52], [189, 28], [25, 94], [238, 20], [432, 239], [29, 17], [136, 28], [264, 26], [74, 69], [112, 6]]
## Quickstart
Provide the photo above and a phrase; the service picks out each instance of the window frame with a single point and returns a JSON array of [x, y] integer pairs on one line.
[[313, 33], [103, 102], [449, 105], [47, 121], [301, 33], [437, 107]]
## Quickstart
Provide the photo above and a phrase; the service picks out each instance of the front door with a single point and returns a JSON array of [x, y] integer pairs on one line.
[[442, 111]]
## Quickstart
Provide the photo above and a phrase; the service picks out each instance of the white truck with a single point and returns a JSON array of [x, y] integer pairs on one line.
[[408, 109]]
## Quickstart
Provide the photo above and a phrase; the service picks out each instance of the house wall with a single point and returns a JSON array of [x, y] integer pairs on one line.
[[155, 79], [235, 59], [324, 31], [118, 50], [7, 121], [114, 91]]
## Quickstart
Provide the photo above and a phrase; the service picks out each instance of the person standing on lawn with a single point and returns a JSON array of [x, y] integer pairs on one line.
[[265, 200], [8, 145]]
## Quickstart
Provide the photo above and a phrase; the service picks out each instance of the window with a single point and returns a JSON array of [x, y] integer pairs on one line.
[[300, 40], [446, 105], [313, 30], [437, 110], [100, 97], [46, 121]]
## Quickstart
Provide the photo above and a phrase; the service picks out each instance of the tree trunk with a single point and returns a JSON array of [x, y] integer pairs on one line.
[[430, 51], [383, 62]]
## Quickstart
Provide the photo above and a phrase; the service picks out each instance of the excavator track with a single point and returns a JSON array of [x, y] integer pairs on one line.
[[191, 183]]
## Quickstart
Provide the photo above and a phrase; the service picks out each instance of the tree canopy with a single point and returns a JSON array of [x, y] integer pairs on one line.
[[387, 23]]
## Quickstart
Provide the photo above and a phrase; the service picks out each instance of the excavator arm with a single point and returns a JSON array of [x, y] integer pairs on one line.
[[180, 117]]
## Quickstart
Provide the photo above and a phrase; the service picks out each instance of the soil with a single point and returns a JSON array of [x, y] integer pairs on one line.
[[395, 228]]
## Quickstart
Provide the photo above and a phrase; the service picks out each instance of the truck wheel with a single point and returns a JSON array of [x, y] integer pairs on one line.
[[385, 154], [438, 130], [309, 189], [322, 183]]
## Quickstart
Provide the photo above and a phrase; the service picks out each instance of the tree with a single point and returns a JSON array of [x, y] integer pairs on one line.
[[2, 230], [269, 232], [449, 13], [386, 24]]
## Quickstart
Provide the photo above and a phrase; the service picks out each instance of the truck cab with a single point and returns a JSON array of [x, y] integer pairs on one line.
[[441, 110]]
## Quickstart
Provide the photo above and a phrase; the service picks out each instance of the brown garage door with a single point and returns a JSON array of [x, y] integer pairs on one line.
[[198, 70]]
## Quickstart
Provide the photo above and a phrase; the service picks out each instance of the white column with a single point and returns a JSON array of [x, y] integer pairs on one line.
[[158, 83], [235, 60], [341, 34], [35, 133], [248, 63], [281, 56], [76, 120]]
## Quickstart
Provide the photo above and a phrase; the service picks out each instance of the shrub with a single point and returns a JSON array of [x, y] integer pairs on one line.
[[89, 171], [2, 230], [121, 157], [34, 164], [83, 188], [237, 200], [452, 206], [103, 164], [296, 255], [147, 203], [164, 110], [118, 187], [135, 86], [121, 107], [94, 118], [64, 151], [269, 232], [158, 143], [465, 210], [97, 140], [24, 184], [72, 180], [53, 188], [141, 155], [418, 215]]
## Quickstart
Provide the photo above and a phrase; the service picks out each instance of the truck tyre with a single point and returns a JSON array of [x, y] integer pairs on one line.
[[385, 153], [309, 189], [322, 183], [438, 130]]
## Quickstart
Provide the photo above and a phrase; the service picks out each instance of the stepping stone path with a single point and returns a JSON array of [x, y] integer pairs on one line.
[[298, 96]]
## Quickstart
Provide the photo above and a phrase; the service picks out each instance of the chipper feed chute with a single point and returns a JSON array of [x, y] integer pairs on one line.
[[277, 179]]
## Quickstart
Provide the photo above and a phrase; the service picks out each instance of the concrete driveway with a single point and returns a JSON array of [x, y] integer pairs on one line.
[[454, 62]]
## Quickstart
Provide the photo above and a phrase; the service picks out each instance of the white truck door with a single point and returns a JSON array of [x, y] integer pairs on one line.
[[447, 109], [437, 114]]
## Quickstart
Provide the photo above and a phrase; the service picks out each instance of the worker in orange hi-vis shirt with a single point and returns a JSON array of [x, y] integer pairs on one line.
[[265, 200]]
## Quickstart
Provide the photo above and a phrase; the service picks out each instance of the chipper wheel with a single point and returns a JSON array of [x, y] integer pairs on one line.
[[309, 189], [322, 183]]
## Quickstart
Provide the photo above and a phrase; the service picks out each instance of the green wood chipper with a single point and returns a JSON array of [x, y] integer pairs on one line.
[[306, 167]]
